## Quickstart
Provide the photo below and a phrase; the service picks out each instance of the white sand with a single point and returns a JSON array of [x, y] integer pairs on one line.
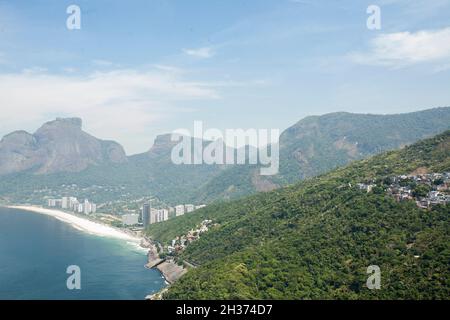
[[81, 224]]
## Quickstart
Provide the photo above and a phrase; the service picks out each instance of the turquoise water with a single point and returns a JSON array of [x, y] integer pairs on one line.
[[35, 251]]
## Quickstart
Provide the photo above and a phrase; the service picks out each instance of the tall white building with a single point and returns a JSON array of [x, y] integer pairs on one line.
[[73, 203], [87, 206], [163, 215], [179, 210], [189, 208], [153, 216], [158, 215], [65, 203]]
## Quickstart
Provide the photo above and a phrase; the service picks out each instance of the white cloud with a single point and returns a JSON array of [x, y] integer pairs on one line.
[[204, 53], [406, 48], [121, 105]]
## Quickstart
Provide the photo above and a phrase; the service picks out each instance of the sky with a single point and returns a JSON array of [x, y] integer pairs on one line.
[[139, 68]]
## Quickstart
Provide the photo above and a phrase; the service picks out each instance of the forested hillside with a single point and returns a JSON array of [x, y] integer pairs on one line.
[[315, 240]]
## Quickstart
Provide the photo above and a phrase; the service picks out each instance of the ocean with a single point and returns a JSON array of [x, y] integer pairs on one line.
[[35, 251]]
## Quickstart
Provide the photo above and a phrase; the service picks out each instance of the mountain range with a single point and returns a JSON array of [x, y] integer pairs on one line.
[[317, 239], [60, 153]]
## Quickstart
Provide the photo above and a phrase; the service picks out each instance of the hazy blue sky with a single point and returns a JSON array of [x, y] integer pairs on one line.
[[140, 68]]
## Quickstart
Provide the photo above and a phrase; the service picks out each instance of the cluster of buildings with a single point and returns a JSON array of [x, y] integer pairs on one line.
[[181, 209], [180, 243], [404, 188], [433, 198], [151, 215], [72, 204]]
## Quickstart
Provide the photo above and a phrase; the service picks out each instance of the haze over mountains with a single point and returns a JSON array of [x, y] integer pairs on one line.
[[61, 153], [317, 144]]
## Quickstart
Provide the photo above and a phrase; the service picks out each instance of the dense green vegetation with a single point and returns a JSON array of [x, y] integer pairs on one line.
[[315, 240]]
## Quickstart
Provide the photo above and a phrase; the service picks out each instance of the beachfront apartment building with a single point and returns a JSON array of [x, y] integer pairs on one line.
[[158, 215], [179, 210], [152, 215], [146, 210], [89, 207], [65, 203], [163, 215]]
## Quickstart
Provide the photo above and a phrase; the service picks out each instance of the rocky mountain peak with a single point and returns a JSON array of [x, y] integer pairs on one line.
[[70, 122], [59, 145]]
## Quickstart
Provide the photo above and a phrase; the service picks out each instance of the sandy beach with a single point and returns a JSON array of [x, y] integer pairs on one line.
[[81, 224], [169, 270]]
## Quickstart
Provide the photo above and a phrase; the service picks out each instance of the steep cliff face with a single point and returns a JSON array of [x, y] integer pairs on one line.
[[18, 152], [58, 146]]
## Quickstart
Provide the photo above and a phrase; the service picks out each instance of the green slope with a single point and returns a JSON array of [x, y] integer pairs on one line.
[[317, 238]]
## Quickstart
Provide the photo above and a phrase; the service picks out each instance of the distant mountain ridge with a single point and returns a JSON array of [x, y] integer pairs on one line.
[[60, 153], [317, 144], [57, 146]]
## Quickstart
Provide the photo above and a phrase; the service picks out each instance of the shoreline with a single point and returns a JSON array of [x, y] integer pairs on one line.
[[81, 224], [168, 270]]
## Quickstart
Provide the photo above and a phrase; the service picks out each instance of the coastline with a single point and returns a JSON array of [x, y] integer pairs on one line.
[[82, 224], [169, 270]]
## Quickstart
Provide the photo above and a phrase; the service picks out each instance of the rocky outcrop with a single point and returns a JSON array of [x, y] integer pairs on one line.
[[153, 257], [171, 271], [58, 146]]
